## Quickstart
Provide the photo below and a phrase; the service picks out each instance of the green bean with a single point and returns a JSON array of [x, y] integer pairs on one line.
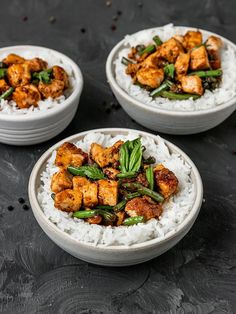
[[164, 86], [207, 73], [157, 40], [170, 70], [171, 95], [3, 73], [120, 206], [7, 93], [82, 214], [150, 177], [109, 217], [133, 220], [126, 61], [105, 207], [148, 49], [130, 196], [130, 174], [144, 191]]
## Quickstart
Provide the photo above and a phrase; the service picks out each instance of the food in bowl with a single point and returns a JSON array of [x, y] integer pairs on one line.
[[105, 191], [176, 69], [29, 84]]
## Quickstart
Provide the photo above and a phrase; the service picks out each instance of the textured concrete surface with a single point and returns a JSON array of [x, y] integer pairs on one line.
[[196, 276]]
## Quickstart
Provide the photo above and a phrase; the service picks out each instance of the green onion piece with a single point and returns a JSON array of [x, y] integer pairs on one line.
[[83, 214], [207, 73], [170, 70], [3, 73], [126, 61], [105, 207], [133, 220], [7, 93], [144, 191], [157, 40], [171, 95], [130, 174], [150, 177], [164, 86], [148, 49], [91, 172], [120, 206]]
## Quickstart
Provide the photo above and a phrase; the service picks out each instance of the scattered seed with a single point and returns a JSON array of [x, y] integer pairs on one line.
[[52, 19], [113, 27], [25, 18], [10, 208], [25, 207], [21, 200], [119, 12], [83, 30]]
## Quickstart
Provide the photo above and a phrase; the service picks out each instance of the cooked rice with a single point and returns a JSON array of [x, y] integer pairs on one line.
[[10, 107], [175, 210], [225, 92]]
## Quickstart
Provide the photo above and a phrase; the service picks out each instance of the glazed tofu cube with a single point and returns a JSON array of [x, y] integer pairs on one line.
[[170, 50], [107, 192], [90, 194], [182, 64], [199, 59], [213, 46], [110, 172], [3, 86], [70, 155], [105, 156], [13, 59], [68, 200], [152, 61], [181, 39], [151, 77], [18, 74], [61, 180], [192, 84], [79, 182], [192, 39], [165, 180], [143, 206]]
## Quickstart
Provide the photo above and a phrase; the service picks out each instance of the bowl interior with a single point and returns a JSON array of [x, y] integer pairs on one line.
[[110, 72], [76, 72], [34, 184]]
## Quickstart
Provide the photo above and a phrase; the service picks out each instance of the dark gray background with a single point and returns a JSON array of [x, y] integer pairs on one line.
[[196, 276]]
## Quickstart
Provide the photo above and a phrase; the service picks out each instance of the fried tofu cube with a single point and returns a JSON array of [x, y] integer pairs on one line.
[[70, 155], [192, 84], [3, 86], [90, 194], [26, 96], [96, 220], [213, 46], [36, 64], [120, 218], [79, 182], [143, 206], [13, 59], [165, 180], [18, 74], [107, 192], [182, 64], [192, 39], [68, 200], [60, 74], [61, 180], [199, 59], [105, 156], [110, 172], [170, 50], [151, 77], [53, 89]]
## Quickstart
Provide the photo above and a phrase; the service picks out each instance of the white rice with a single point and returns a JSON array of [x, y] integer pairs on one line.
[[175, 210], [10, 107], [225, 92]]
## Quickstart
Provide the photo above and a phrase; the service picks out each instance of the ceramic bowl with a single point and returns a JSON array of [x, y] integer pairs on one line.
[[113, 255], [28, 129], [168, 121]]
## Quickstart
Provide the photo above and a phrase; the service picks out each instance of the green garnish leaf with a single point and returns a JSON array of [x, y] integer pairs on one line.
[[91, 172], [43, 76]]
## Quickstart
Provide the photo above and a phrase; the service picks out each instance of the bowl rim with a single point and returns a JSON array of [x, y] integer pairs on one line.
[[57, 109], [112, 81], [38, 212]]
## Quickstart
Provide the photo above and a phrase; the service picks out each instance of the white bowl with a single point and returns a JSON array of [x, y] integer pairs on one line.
[[28, 129], [168, 121], [113, 255]]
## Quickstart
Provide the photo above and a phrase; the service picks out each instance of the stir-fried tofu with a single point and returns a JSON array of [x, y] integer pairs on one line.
[[18, 74], [70, 155], [165, 180], [120, 218], [151, 77], [182, 64], [105, 156], [199, 59], [192, 84], [68, 200], [3, 86], [132, 69], [143, 206], [26, 96], [36, 64], [154, 60], [60, 74], [53, 89], [192, 39], [94, 220], [171, 49], [107, 192], [213, 46], [180, 39], [111, 173], [89, 190], [13, 59], [61, 180]]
